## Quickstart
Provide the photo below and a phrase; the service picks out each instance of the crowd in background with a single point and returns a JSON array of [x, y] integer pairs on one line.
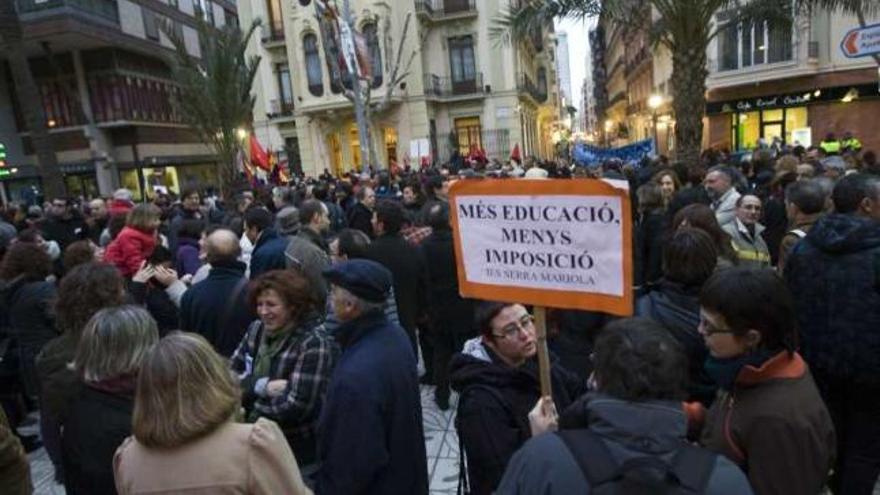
[[274, 342]]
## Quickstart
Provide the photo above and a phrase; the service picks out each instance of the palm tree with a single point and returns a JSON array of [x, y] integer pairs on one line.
[[29, 100], [685, 27], [214, 95]]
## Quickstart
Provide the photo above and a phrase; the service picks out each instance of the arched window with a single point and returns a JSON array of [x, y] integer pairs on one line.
[[542, 84], [371, 35], [313, 65]]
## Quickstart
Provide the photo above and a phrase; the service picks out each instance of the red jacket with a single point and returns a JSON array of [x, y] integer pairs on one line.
[[129, 249], [120, 207]]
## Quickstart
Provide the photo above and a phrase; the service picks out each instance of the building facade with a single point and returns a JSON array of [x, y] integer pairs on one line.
[[563, 69], [464, 89], [792, 82], [104, 81]]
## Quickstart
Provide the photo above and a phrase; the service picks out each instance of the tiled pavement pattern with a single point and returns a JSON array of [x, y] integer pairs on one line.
[[441, 444]]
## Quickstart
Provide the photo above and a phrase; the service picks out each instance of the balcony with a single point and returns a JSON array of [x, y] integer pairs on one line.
[[279, 108], [105, 10], [443, 10], [442, 88], [526, 86], [273, 34]]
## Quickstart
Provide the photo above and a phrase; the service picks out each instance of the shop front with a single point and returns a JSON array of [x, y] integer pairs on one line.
[[796, 118], [168, 176]]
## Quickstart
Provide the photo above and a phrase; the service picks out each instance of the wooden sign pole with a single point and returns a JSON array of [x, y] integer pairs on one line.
[[540, 315]]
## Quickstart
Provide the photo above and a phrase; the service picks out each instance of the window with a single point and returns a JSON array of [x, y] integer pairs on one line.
[[285, 89], [754, 44], [461, 57], [728, 49], [151, 24], [231, 18], [371, 36], [467, 133], [390, 144], [172, 3], [276, 25], [313, 65]]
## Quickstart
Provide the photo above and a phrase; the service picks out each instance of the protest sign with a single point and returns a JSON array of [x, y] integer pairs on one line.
[[554, 243]]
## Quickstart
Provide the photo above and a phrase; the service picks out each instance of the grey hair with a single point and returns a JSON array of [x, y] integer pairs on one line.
[[123, 194], [114, 343], [362, 305]]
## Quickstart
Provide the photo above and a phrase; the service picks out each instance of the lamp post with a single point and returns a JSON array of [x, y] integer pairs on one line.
[[654, 102]]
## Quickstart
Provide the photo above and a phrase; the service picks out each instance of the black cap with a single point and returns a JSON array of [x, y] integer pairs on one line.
[[365, 279]]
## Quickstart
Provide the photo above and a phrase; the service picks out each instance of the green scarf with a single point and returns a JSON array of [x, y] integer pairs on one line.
[[271, 344]]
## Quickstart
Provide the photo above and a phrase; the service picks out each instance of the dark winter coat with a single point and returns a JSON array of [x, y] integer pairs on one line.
[[450, 313], [158, 303], [361, 218], [493, 408], [64, 231], [96, 426], [649, 235], [57, 380], [629, 430], [175, 224], [28, 309], [688, 196], [407, 266], [188, 261], [834, 277], [268, 253], [775, 426], [677, 308], [370, 437], [217, 307]]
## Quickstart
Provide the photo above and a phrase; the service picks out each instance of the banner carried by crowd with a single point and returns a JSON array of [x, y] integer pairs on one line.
[[586, 154], [554, 243]]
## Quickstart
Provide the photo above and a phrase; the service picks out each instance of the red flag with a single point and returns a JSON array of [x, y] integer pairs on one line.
[[514, 155], [259, 157]]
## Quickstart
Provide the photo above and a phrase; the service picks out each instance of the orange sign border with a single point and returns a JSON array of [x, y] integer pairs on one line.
[[617, 305]]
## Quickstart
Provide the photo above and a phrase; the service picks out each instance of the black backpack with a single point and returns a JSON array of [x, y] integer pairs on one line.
[[688, 473]]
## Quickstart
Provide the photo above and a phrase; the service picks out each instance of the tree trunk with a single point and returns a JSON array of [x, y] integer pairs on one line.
[[31, 103], [689, 99]]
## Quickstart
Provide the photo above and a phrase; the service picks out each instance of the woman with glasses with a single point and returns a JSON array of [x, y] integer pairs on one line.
[[768, 416], [496, 376]]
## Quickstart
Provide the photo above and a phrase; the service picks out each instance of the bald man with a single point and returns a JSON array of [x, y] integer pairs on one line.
[[217, 307]]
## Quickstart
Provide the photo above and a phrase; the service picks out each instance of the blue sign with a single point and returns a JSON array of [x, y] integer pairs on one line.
[[585, 154]]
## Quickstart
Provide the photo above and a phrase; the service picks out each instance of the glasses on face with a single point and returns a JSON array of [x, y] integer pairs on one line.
[[524, 325], [751, 207], [708, 329]]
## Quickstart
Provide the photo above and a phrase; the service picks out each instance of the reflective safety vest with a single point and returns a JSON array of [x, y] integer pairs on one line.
[[852, 143], [830, 147]]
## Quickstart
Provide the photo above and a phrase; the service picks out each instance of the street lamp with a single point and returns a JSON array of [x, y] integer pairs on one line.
[[241, 133], [654, 102]]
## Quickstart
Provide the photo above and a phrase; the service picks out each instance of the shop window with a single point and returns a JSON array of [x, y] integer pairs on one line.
[[754, 44], [335, 150], [746, 129], [391, 144], [355, 145], [467, 133], [795, 118], [313, 65], [129, 180]]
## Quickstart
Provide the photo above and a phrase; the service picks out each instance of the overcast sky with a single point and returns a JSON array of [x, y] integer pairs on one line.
[[577, 53]]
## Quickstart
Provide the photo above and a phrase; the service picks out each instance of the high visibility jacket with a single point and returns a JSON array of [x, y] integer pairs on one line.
[[830, 147], [852, 143]]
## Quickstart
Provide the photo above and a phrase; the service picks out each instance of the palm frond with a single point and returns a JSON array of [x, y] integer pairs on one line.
[[861, 8], [521, 20]]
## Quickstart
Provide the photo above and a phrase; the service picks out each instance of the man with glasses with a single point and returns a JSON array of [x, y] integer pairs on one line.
[[496, 376], [745, 233]]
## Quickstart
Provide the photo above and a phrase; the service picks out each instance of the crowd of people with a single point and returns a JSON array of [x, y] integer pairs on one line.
[[275, 342]]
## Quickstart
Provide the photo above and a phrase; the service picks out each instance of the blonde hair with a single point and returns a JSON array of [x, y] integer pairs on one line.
[[114, 343], [184, 391], [143, 216]]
